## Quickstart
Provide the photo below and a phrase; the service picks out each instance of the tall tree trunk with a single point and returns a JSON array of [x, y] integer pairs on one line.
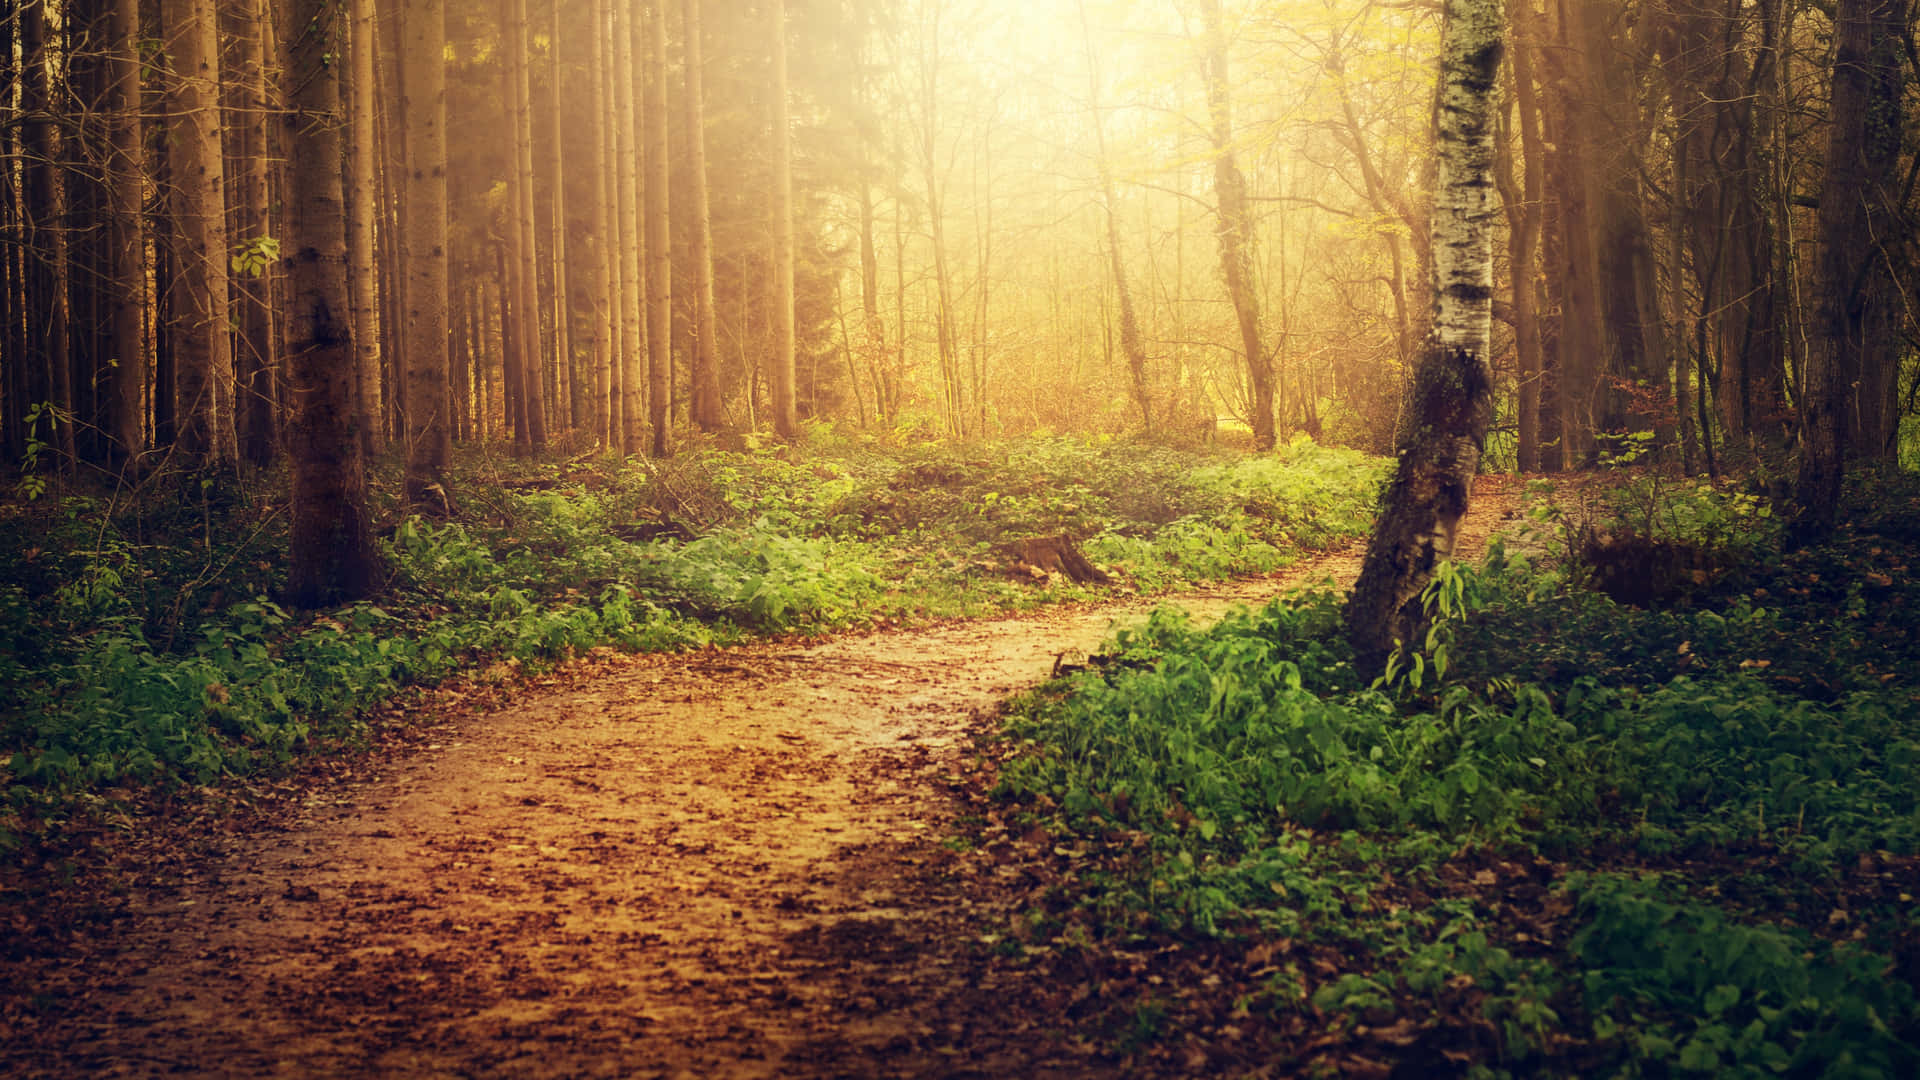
[[706, 405], [1450, 402], [630, 43], [533, 371], [428, 428], [1235, 226], [1524, 220], [256, 359], [127, 216], [364, 306], [1846, 286], [563, 346], [659, 254], [786, 418], [332, 557], [606, 238], [201, 347], [46, 215]]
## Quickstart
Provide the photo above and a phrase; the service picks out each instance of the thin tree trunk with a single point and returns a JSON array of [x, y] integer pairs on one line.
[[332, 557], [786, 418], [1236, 227], [563, 346], [606, 240], [361, 211], [1451, 400], [629, 45], [126, 202], [255, 347], [532, 370], [1130, 342], [705, 368], [659, 255]]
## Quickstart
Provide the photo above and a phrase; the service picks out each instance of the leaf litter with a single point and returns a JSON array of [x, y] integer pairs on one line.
[[770, 860]]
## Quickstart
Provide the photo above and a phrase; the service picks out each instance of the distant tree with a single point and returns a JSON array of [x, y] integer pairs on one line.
[[126, 178], [705, 368], [785, 419], [1235, 225], [362, 277], [1450, 401]]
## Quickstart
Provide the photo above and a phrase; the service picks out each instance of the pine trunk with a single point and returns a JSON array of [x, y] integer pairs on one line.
[[331, 551], [705, 368], [428, 427], [659, 254], [201, 347]]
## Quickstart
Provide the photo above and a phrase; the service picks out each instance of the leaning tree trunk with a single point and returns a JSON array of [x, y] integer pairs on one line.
[[331, 554], [1450, 402]]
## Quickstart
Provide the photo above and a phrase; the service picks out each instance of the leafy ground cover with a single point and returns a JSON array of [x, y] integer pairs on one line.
[[140, 641], [1572, 837]]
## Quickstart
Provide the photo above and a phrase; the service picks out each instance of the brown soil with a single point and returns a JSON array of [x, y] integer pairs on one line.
[[721, 864]]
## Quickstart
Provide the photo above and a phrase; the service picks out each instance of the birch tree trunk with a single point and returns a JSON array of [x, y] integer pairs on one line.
[[331, 554], [1450, 402]]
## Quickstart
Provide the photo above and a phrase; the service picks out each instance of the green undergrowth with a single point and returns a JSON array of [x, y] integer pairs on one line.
[[1626, 841], [140, 639]]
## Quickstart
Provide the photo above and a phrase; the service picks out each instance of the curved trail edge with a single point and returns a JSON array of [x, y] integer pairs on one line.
[[723, 864]]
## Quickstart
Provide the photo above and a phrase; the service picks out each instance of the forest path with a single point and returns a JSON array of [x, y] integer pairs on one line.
[[721, 864]]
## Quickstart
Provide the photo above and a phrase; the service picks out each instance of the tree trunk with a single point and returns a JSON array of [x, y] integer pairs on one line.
[[629, 43], [605, 237], [786, 420], [201, 347], [1847, 290], [429, 435], [1235, 227], [126, 202], [331, 554], [1450, 402], [364, 303], [532, 369], [659, 252], [705, 368], [1524, 242]]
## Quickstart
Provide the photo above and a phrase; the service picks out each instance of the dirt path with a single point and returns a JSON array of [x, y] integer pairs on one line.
[[724, 864]]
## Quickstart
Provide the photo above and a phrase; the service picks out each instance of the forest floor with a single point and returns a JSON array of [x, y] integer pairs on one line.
[[727, 863]]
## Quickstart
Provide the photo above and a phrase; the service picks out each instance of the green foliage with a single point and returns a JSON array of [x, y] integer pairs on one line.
[[1243, 781], [1684, 987]]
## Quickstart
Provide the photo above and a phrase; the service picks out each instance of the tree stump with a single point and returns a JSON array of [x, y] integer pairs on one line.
[[1042, 555]]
